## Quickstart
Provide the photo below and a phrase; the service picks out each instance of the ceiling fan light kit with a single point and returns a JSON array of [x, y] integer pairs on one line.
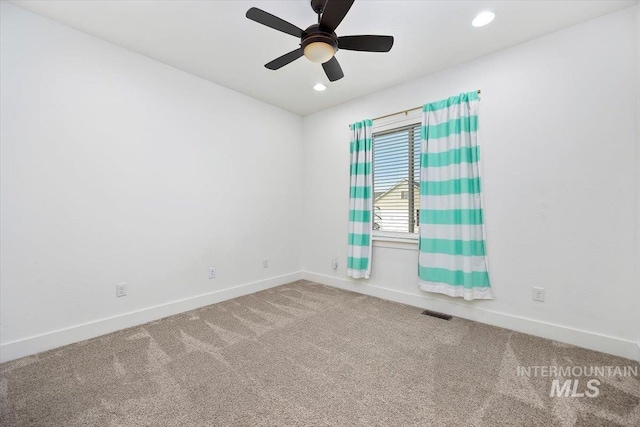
[[317, 45], [319, 52], [319, 42]]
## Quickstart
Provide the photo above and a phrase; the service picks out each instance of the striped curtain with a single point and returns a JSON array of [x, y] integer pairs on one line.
[[452, 257], [360, 201]]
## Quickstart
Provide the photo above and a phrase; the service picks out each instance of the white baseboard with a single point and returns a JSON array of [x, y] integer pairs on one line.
[[47, 341], [580, 338]]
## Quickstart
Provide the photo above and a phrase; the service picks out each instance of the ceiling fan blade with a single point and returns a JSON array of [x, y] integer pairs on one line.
[[334, 12], [285, 59], [333, 70], [366, 43], [265, 18]]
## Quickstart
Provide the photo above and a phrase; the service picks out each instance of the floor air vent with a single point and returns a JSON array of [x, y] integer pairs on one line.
[[436, 314]]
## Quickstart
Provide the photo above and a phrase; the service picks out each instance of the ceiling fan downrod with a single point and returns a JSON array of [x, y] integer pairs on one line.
[[318, 6]]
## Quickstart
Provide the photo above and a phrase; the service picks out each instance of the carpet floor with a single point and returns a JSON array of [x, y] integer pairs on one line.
[[305, 354]]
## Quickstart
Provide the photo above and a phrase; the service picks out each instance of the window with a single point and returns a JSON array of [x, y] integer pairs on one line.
[[396, 180]]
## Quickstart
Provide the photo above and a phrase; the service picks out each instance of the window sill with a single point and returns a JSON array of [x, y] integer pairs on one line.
[[409, 244]]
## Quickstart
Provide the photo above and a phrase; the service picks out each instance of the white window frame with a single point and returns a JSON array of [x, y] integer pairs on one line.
[[399, 240]]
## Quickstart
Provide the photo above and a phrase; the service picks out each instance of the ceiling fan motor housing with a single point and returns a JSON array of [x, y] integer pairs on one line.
[[315, 34]]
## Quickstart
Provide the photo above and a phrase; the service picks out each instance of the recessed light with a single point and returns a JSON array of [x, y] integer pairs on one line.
[[483, 19], [319, 87]]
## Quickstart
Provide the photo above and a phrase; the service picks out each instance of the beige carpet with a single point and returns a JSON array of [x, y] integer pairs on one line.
[[308, 355]]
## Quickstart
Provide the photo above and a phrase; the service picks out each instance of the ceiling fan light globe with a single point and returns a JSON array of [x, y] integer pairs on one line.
[[319, 52]]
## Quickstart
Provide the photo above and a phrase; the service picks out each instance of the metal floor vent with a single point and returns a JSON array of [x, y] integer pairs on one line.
[[436, 314]]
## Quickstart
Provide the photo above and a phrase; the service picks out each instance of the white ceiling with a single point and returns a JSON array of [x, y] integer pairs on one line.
[[214, 40]]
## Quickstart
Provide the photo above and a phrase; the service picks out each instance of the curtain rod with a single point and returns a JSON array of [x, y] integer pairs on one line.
[[404, 111]]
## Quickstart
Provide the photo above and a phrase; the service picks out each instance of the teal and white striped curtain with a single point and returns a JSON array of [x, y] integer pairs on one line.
[[452, 257], [360, 201]]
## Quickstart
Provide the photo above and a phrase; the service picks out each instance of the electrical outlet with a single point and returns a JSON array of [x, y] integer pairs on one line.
[[334, 263], [265, 263], [538, 294], [212, 273], [121, 290]]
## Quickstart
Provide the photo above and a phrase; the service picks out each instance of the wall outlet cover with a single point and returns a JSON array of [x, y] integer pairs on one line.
[[121, 289]]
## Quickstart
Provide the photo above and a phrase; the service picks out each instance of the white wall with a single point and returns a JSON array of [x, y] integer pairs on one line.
[[558, 126], [117, 168]]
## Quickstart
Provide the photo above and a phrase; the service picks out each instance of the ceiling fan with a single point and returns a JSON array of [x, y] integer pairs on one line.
[[319, 42]]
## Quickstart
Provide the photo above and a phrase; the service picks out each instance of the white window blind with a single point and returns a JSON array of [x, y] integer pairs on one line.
[[396, 180]]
